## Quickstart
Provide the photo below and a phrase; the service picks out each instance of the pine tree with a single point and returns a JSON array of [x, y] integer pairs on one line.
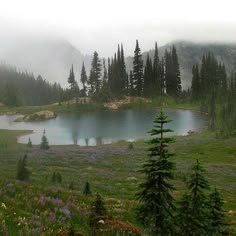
[[138, 71], [98, 211], [156, 72], [87, 190], [212, 113], [105, 76], [155, 197], [193, 211], [176, 71], [131, 84], [71, 79], [84, 80], [195, 82], [29, 144], [95, 74], [162, 76], [98, 206], [10, 95], [22, 170], [44, 142], [217, 216], [172, 73], [148, 87]]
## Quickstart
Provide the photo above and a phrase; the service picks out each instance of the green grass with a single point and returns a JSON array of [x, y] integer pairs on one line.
[[164, 101], [115, 175]]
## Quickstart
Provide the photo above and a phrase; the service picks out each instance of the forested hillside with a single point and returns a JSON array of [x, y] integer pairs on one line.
[[192, 53], [22, 88]]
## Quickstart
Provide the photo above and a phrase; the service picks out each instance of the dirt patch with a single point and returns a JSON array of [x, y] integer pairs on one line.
[[126, 100]]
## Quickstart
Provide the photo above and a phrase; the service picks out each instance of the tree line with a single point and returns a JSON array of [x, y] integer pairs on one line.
[[108, 79], [22, 88], [216, 91]]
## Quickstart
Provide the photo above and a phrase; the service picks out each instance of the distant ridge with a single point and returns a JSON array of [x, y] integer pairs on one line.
[[190, 53]]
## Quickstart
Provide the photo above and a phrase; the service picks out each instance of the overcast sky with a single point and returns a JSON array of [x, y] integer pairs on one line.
[[102, 24]]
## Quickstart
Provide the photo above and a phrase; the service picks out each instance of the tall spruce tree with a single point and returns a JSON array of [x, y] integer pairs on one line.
[[172, 73], [44, 141], [155, 194], [162, 76], [22, 170], [156, 72], [117, 75], [193, 210], [149, 88], [84, 80], [217, 215], [10, 95], [212, 112], [138, 71], [95, 74], [195, 83], [71, 79]]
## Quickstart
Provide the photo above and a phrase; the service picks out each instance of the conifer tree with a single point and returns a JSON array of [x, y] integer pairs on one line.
[[98, 206], [149, 88], [131, 84], [87, 190], [138, 71], [217, 216], [212, 113], [155, 194], [172, 73], [104, 70], [95, 74], [71, 79], [10, 97], [84, 80], [29, 144], [44, 142], [162, 76], [22, 170], [193, 211], [156, 72], [195, 82]]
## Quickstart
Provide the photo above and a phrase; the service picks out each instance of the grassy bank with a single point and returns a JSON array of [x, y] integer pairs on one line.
[[165, 102], [111, 171]]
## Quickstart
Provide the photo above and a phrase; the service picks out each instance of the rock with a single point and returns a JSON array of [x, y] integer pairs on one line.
[[38, 116]]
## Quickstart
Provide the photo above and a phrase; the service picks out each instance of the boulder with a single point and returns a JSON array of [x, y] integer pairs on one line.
[[38, 116]]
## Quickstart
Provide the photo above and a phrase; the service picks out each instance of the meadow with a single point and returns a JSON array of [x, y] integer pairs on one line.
[[41, 205]]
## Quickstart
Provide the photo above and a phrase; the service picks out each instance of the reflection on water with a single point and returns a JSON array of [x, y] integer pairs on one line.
[[102, 127]]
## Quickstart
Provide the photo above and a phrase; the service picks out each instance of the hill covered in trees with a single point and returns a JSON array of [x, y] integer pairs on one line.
[[191, 53], [22, 88], [52, 58]]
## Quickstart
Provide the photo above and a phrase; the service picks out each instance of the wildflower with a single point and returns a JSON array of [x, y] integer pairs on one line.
[[3, 206]]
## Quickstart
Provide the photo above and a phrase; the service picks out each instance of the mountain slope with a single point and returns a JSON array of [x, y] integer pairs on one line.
[[191, 53], [51, 58]]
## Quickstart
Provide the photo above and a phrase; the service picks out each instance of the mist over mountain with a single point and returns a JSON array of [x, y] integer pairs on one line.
[[190, 53], [52, 57]]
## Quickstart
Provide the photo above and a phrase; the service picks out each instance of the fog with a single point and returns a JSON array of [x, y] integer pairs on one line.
[[33, 31]]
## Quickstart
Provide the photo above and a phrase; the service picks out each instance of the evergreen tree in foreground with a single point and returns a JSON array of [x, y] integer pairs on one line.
[[217, 217], [87, 190], [193, 216], [155, 197], [44, 143], [22, 171]]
